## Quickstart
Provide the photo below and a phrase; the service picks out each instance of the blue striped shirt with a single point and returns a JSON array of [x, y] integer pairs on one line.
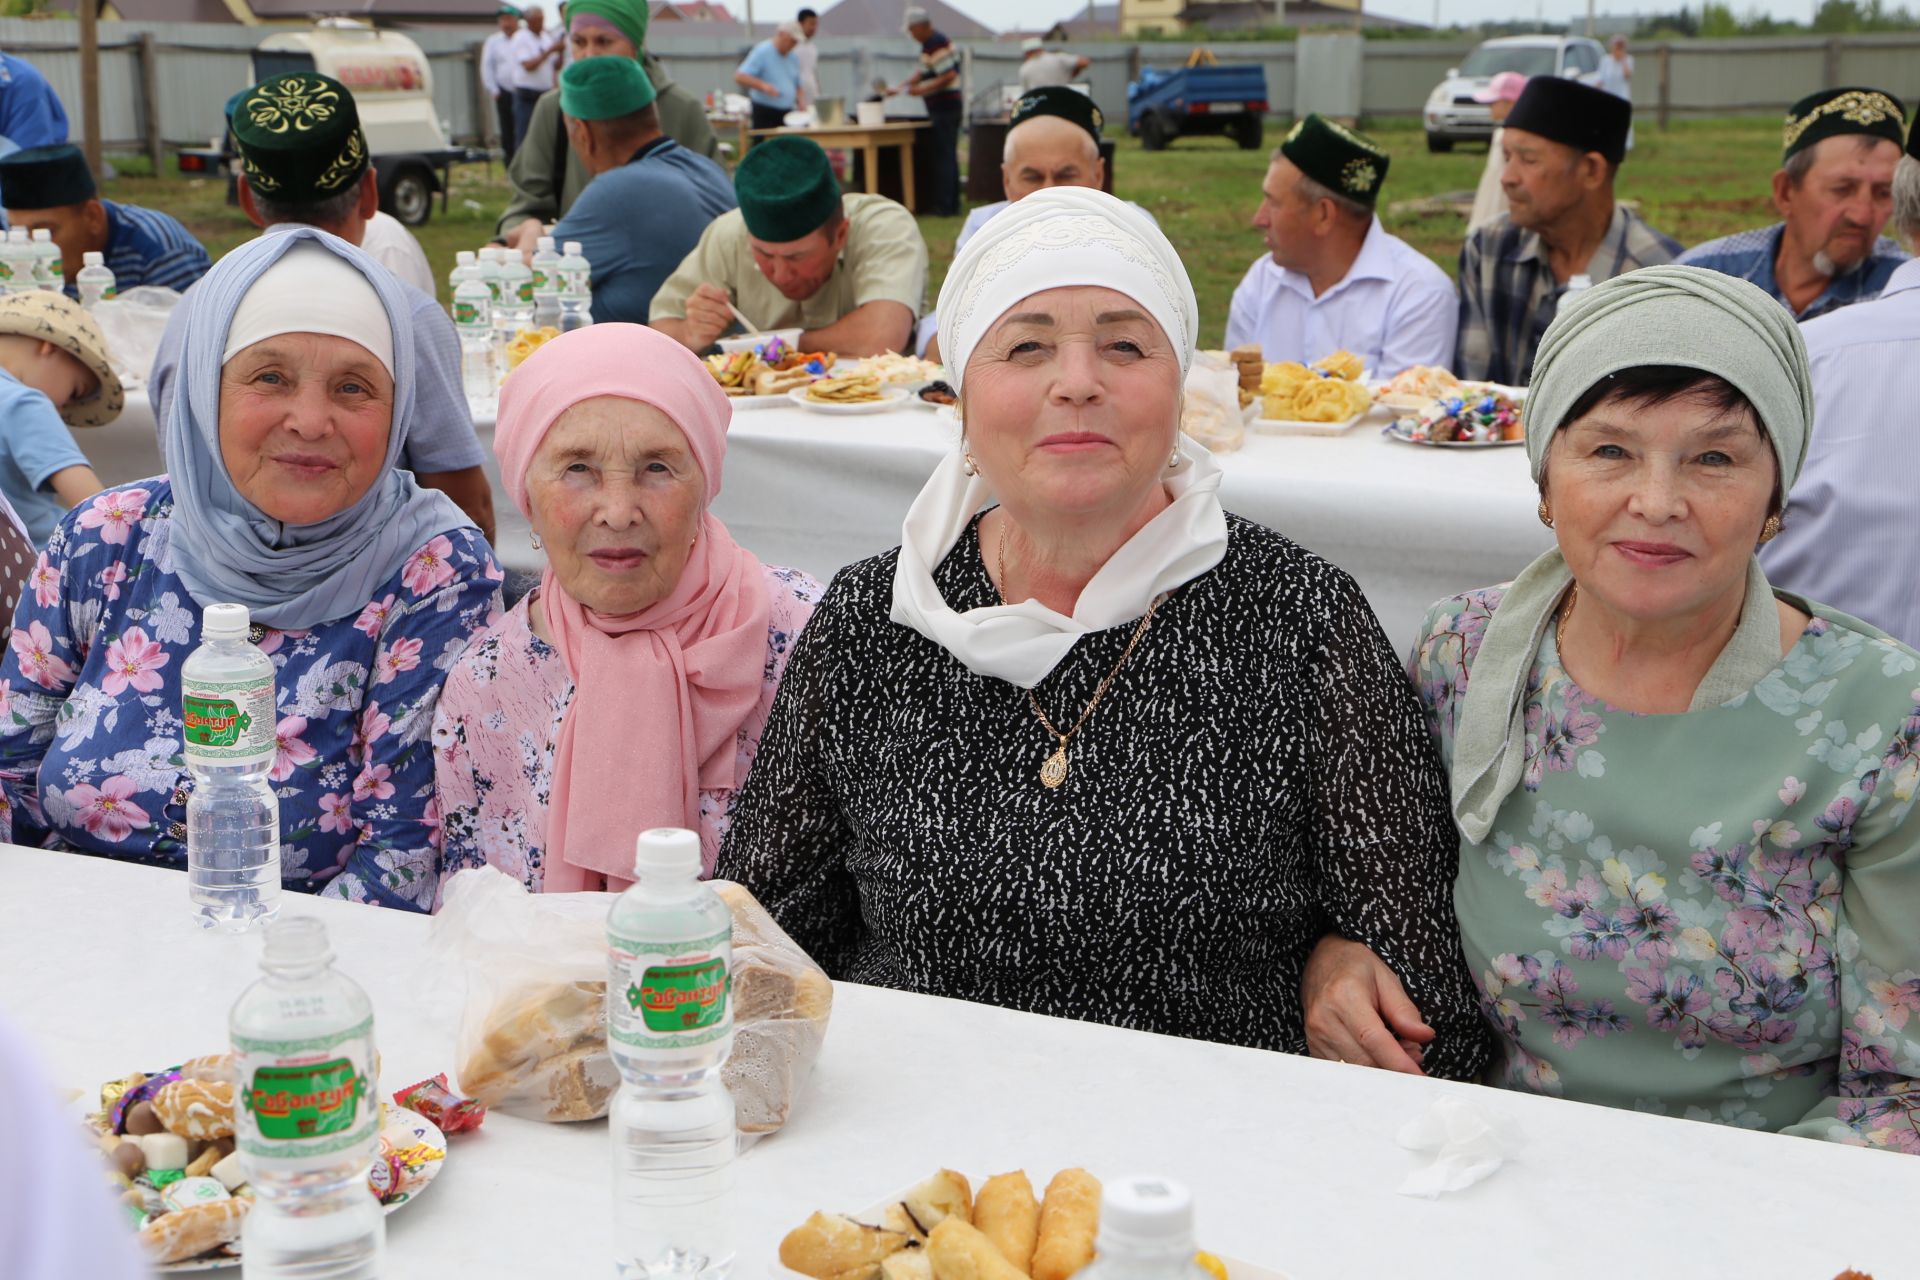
[[1849, 539], [145, 246], [1750, 255]]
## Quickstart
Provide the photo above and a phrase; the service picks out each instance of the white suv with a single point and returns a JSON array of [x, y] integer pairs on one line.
[[1453, 116]]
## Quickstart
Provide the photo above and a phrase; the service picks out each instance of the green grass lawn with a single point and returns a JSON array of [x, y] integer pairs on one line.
[[1700, 179]]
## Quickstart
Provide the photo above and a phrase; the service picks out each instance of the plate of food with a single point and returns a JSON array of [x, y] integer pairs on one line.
[[1477, 416], [761, 379], [856, 394], [1412, 390], [1295, 399], [168, 1141], [948, 1228], [893, 369], [937, 394]]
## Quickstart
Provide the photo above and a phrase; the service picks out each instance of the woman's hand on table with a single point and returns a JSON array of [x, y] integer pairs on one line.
[[1357, 1011]]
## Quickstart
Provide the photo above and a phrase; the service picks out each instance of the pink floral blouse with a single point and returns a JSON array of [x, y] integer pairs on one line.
[[498, 725]]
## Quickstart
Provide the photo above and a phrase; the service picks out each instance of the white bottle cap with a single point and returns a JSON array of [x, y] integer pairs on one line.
[[667, 849], [1145, 1215], [224, 621], [1580, 281], [546, 244], [463, 258], [18, 235], [91, 259], [573, 249], [42, 235]]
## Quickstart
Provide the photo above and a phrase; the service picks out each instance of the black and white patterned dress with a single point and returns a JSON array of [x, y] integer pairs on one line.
[[1257, 775]]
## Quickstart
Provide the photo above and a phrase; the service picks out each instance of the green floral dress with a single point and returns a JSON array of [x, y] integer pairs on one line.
[[1713, 915]]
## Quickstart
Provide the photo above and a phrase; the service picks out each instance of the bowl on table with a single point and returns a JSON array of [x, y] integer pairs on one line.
[[754, 341]]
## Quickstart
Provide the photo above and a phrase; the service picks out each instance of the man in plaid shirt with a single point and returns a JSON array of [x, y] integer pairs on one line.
[[1564, 143]]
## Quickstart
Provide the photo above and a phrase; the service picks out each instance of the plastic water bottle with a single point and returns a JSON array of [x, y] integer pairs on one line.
[[308, 1123], [576, 289], [546, 284], [233, 818], [49, 268], [18, 260], [516, 296], [465, 264], [1146, 1232], [473, 319], [1576, 283], [670, 1027], [95, 280]]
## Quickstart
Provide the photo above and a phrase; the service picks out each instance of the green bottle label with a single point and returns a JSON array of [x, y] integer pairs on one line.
[[228, 721], [539, 280], [465, 313], [526, 290], [680, 997], [301, 1098], [673, 995], [6, 270], [312, 1101], [56, 267], [110, 292]]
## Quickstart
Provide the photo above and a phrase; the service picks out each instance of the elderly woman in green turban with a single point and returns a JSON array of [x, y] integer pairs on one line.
[[1690, 864], [547, 176]]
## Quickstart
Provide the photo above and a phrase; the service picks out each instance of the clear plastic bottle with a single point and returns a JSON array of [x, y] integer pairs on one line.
[[546, 284], [576, 289], [670, 1028], [465, 264], [233, 818], [18, 260], [1146, 1232], [95, 280], [473, 319], [308, 1125], [49, 268], [516, 293]]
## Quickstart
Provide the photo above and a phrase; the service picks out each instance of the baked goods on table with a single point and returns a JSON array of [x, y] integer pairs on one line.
[[1423, 381], [894, 370], [1251, 365], [772, 364], [856, 388], [1476, 413], [735, 373], [1341, 364], [528, 341], [941, 1229]]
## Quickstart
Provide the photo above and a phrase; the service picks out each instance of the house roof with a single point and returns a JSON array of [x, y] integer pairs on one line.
[[157, 10], [1105, 21], [882, 17]]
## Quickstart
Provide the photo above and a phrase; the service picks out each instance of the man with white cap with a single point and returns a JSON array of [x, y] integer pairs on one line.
[[1040, 67], [937, 83], [770, 73]]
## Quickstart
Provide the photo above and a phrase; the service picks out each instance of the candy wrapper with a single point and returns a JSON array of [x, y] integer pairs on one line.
[[773, 350], [434, 1100], [1476, 415]]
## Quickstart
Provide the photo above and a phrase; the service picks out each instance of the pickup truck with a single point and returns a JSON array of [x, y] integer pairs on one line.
[[1198, 99]]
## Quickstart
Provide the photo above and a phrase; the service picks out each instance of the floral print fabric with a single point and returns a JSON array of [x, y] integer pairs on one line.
[[90, 705], [1714, 915], [499, 724]]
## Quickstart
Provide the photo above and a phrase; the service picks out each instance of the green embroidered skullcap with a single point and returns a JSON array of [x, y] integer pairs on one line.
[[1833, 112], [786, 187], [604, 88], [629, 18], [1337, 158], [507, 9], [1057, 100], [299, 139], [46, 178]]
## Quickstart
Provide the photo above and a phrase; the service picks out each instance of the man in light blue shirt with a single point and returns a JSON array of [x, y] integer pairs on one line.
[[1849, 538], [771, 77], [650, 198], [1333, 279]]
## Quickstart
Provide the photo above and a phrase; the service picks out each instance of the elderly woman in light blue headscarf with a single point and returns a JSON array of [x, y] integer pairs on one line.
[[283, 497], [1690, 866]]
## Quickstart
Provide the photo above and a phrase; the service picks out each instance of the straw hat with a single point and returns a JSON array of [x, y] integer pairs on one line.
[[55, 318]]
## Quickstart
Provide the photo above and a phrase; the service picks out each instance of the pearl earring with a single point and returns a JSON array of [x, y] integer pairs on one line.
[[534, 538], [1174, 459], [967, 464]]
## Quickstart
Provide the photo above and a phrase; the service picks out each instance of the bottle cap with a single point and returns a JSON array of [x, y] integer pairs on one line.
[[667, 849], [546, 244], [573, 248], [1580, 281], [1145, 1215], [17, 235], [43, 235], [224, 621], [91, 259], [296, 940], [463, 258]]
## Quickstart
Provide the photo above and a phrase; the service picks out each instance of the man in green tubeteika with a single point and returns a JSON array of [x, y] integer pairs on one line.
[[547, 177]]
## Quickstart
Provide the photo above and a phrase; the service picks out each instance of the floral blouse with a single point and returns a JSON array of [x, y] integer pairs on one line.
[[90, 746], [1714, 915], [499, 725]]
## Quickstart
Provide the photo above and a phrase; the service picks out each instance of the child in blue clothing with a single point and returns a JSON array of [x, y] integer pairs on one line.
[[54, 375]]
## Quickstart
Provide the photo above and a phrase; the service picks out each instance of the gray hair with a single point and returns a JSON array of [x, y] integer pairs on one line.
[[793, 29], [325, 214], [1314, 192], [1906, 200], [1800, 163]]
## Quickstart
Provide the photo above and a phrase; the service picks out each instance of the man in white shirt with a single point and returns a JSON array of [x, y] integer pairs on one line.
[[390, 244], [497, 74], [534, 57], [1848, 538], [1333, 279], [1038, 67], [809, 55]]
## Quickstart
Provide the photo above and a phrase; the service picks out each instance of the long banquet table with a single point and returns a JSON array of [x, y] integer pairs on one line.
[[818, 491], [1292, 1161]]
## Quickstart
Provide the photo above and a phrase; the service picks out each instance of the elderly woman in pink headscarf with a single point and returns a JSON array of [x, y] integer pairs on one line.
[[630, 689]]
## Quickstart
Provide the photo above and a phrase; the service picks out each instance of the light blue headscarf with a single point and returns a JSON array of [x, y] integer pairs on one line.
[[226, 549]]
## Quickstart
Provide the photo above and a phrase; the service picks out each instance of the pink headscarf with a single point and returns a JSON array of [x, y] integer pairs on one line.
[[659, 695]]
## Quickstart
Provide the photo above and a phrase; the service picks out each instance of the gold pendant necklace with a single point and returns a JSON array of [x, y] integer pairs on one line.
[[1054, 771]]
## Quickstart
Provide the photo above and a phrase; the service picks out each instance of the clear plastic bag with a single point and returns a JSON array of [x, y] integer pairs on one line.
[[532, 1038], [132, 324], [1211, 412]]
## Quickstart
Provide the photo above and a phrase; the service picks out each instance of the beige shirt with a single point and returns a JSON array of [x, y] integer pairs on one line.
[[885, 260]]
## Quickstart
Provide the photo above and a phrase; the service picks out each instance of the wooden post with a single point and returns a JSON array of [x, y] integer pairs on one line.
[[1666, 83], [1833, 61], [90, 82], [488, 116], [150, 95]]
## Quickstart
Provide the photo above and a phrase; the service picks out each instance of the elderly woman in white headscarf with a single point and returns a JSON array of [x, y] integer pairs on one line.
[[282, 496], [1104, 751], [1690, 873]]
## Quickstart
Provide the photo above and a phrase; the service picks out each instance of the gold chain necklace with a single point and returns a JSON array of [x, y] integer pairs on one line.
[[1560, 629], [1054, 771]]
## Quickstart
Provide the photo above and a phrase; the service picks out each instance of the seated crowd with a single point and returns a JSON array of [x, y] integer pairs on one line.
[[1637, 828]]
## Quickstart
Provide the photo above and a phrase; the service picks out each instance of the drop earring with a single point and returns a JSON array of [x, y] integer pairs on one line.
[[534, 538], [1546, 514], [967, 464]]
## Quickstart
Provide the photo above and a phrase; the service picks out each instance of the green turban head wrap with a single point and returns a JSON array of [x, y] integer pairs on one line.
[[629, 17], [786, 188], [604, 88]]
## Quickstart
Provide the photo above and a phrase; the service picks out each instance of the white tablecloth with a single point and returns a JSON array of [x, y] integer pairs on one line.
[[1292, 1161], [818, 491]]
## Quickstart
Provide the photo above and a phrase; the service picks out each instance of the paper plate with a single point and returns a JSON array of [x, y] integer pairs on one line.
[[1296, 427], [890, 397], [750, 404]]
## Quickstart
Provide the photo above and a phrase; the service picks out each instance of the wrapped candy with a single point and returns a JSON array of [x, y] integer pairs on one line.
[[440, 1104], [134, 1094], [774, 350]]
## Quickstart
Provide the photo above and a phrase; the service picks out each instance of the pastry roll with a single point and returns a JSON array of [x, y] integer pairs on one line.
[[831, 1247], [959, 1251], [1068, 1220], [1008, 1215]]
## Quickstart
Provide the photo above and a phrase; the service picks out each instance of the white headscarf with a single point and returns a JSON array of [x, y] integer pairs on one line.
[[309, 290], [1062, 236]]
